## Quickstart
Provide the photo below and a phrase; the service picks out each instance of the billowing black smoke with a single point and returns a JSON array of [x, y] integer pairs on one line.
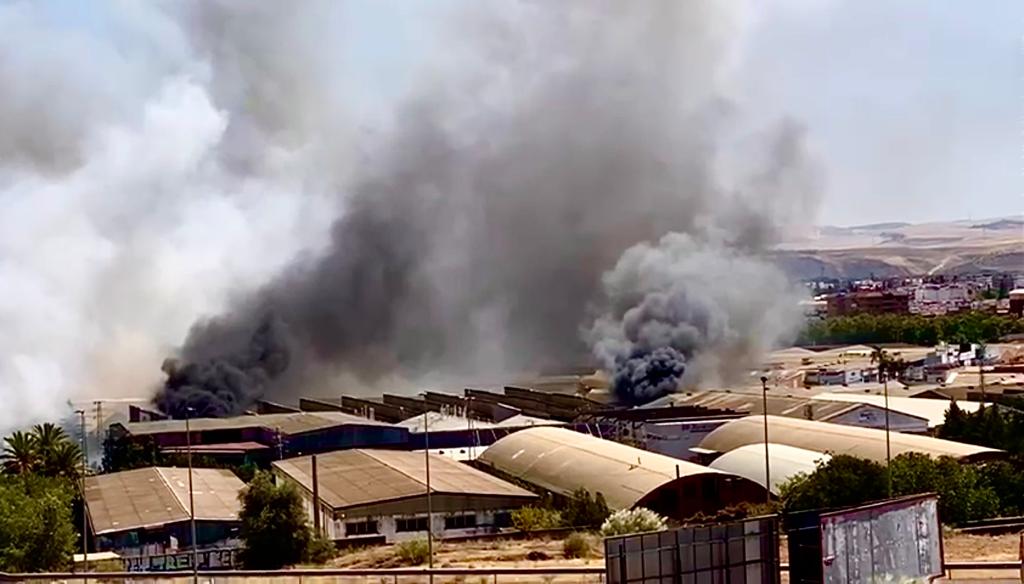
[[474, 234], [227, 384], [687, 311], [647, 374]]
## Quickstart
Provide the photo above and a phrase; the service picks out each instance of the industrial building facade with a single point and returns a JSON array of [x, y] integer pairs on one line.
[[382, 495], [146, 511]]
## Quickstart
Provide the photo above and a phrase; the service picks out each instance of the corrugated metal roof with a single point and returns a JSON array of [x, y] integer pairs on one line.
[[439, 422], [834, 438], [785, 462], [933, 410], [751, 403], [562, 461], [352, 478], [294, 423], [159, 495]]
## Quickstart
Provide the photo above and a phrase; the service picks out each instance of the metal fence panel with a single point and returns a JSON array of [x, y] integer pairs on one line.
[[742, 552], [895, 540]]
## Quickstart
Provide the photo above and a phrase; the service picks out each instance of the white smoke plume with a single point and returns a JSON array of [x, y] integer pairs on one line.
[[195, 171]]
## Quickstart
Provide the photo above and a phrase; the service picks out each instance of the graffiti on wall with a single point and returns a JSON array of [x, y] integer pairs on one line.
[[218, 559]]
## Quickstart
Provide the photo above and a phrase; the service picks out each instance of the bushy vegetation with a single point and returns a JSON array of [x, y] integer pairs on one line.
[[965, 327], [577, 545], [733, 513], [40, 474], [584, 510], [274, 530], [36, 532], [964, 491], [627, 521], [536, 518], [414, 552]]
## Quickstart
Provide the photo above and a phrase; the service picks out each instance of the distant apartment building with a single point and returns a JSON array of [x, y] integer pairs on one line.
[[868, 302]]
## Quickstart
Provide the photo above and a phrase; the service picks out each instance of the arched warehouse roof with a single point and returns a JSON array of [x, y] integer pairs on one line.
[[785, 462], [561, 461], [836, 439]]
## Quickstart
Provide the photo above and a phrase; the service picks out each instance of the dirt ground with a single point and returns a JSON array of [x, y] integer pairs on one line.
[[479, 554]]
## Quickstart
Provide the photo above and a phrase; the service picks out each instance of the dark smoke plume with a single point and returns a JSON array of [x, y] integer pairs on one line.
[[225, 385], [475, 233]]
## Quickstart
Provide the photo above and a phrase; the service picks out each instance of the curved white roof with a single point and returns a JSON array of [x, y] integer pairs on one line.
[[784, 461], [561, 461], [835, 439]]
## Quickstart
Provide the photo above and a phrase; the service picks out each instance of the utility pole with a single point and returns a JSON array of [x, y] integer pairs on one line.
[[85, 505], [884, 374], [767, 456], [191, 496], [316, 498], [430, 507]]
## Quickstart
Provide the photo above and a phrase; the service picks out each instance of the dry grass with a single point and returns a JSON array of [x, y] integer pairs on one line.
[[479, 554]]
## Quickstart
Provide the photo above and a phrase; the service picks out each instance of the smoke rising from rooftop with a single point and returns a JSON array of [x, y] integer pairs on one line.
[[468, 233]]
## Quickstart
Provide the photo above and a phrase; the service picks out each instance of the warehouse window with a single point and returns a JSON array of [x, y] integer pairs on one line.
[[503, 519], [460, 521], [411, 524], [360, 527]]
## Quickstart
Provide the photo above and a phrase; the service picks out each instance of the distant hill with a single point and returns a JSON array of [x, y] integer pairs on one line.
[[1001, 224], [904, 249]]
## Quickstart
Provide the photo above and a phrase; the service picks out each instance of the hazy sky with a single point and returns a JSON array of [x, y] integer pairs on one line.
[[916, 107]]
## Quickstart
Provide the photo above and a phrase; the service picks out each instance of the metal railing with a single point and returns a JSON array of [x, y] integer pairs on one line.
[[544, 574], [596, 574]]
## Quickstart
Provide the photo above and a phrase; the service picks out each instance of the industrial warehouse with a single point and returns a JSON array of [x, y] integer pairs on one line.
[[363, 494], [451, 465], [147, 511]]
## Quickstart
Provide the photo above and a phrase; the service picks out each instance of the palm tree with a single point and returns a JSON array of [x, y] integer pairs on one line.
[[58, 455], [48, 436], [64, 460], [20, 454]]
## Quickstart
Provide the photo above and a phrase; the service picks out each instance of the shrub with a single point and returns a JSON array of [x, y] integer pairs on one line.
[[627, 521], [732, 513], [577, 545], [535, 519], [413, 552], [321, 550], [583, 510]]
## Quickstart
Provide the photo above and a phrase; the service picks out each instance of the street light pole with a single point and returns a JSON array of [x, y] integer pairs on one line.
[[191, 497], [767, 457], [430, 507], [888, 449], [85, 506]]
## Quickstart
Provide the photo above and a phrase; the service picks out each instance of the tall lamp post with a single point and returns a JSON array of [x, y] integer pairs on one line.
[[430, 507], [767, 457], [85, 506], [191, 497], [884, 374]]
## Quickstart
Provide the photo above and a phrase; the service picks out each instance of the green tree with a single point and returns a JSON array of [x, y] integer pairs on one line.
[[274, 529], [842, 481], [36, 533], [963, 496], [1006, 480], [584, 510]]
